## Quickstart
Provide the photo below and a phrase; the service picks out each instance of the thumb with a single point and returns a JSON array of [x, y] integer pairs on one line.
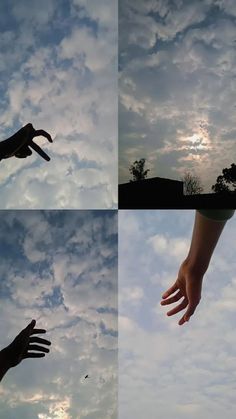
[[190, 311]]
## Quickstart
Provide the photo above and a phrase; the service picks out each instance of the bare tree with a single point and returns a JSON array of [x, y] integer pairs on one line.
[[192, 184]]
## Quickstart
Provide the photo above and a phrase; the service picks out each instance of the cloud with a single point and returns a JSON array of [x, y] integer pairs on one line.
[[178, 371], [64, 81], [58, 270], [176, 88]]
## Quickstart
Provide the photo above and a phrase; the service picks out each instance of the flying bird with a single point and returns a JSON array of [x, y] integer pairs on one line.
[[86, 376]]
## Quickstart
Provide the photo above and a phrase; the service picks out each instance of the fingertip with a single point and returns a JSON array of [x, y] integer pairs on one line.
[[32, 323]]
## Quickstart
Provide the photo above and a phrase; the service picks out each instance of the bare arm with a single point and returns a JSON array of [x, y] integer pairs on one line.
[[206, 233]]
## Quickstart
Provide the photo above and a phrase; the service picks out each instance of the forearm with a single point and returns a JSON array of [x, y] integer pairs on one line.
[[4, 365], [206, 233]]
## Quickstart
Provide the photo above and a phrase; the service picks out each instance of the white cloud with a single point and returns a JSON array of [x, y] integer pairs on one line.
[[57, 270], [183, 86], [193, 366], [66, 86]]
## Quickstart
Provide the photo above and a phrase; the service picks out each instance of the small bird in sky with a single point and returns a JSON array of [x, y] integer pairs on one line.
[[86, 376]]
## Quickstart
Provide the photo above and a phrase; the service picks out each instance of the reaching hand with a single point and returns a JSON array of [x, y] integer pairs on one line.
[[187, 285], [20, 144], [24, 343]]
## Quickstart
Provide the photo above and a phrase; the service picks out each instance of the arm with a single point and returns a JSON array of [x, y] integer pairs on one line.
[[206, 233], [21, 348]]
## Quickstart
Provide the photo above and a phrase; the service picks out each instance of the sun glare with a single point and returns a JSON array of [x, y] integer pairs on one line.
[[198, 140]]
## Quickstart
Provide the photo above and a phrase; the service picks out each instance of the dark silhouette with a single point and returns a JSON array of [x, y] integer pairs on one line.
[[21, 348], [86, 376], [137, 170], [226, 183], [192, 184], [157, 193], [19, 145]]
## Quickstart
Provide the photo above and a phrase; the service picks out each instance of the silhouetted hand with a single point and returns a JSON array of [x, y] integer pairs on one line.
[[20, 144], [23, 344], [187, 286]]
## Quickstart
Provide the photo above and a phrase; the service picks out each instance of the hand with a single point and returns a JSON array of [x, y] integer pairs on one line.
[[19, 144], [187, 285], [23, 344]]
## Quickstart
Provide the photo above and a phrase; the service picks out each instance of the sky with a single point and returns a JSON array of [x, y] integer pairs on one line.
[[167, 370], [177, 69], [58, 70], [60, 268]]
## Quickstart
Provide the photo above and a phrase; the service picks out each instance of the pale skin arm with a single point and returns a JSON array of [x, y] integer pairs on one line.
[[206, 233], [22, 347]]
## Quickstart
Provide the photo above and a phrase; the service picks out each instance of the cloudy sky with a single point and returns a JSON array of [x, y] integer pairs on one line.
[[167, 370], [58, 70], [177, 61], [60, 268]]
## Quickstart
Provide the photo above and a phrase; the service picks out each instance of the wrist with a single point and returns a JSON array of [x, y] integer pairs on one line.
[[196, 266], [4, 359]]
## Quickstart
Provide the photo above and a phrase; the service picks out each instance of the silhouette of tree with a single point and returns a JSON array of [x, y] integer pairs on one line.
[[137, 170], [226, 183], [192, 184]]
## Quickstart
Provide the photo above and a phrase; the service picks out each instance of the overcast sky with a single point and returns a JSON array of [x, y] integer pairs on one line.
[[165, 370], [177, 61], [60, 268], [58, 70]]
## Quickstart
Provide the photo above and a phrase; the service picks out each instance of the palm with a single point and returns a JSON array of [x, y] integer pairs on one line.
[[188, 287], [26, 342]]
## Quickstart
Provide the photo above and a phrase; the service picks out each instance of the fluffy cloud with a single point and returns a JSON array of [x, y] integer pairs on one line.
[[64, 81], [176, 371], [177, 87], [58, 270]]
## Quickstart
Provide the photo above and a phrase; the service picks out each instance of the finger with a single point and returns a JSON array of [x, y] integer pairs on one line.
[[187, 315], [36, 331], [173, 299], [31, 325], [170, 291], [45, 134], [37, 348], [39, 340], [39, 151], [190, 311], [178, 308], [182, 321], [33, 355]]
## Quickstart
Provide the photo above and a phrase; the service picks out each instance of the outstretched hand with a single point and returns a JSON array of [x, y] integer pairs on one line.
[[187, 286], [24, 343], [20, 144]]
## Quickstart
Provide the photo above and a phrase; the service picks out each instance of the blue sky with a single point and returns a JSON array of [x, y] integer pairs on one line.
[[60, 268], [166, 370], [177, 87], [58, 70]]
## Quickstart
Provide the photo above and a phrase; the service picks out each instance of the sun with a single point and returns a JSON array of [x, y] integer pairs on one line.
[[199, 139]]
